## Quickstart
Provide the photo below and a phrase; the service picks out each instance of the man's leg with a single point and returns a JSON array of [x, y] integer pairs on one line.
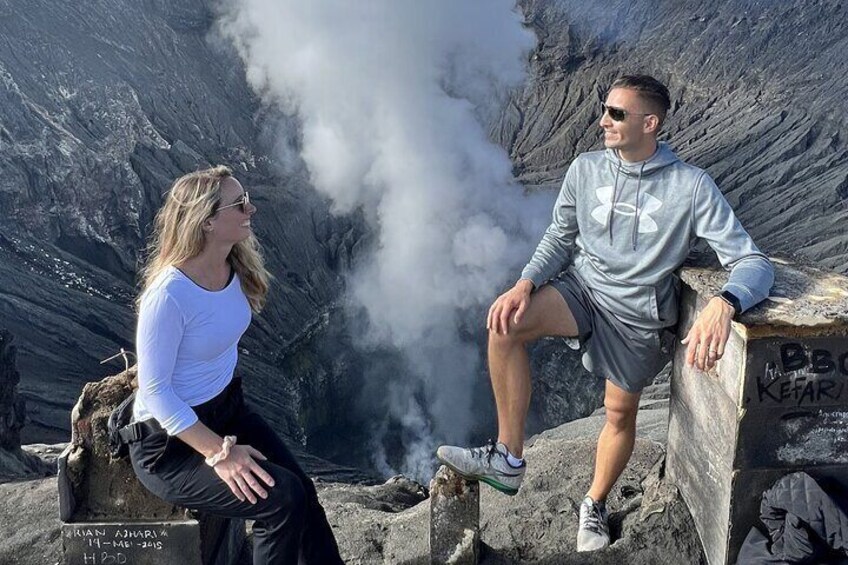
[[509, 364], [615, 444], [547, 314]]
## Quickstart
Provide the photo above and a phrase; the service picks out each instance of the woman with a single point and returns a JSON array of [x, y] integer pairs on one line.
[[201, 446]]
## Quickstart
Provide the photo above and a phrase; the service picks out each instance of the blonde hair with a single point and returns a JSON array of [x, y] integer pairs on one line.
[[178, 235]]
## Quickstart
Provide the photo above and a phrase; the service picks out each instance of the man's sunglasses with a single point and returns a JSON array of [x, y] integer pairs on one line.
[[244, 202], [618, 114]]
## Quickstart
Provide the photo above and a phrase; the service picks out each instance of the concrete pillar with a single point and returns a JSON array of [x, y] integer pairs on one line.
[[776, 403], [454, 519]]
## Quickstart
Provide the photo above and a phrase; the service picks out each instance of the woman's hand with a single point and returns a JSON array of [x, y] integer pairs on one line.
[[240, 471]]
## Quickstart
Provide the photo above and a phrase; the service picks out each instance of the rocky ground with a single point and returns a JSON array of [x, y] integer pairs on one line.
[[389, 523]]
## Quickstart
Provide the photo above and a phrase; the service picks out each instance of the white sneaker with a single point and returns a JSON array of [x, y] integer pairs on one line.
[[594, 530], [487, 464]]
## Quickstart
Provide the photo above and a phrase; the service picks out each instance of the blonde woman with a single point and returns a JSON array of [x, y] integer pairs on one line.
[[200, 446]]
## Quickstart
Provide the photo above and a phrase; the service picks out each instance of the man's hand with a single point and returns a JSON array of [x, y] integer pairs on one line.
[[516, 299], [708, 335]]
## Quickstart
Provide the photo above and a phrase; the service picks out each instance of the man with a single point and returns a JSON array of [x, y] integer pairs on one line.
[[626, 218]]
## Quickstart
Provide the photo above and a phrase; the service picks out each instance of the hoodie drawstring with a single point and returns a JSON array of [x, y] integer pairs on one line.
[[613, 201], [634, 235]]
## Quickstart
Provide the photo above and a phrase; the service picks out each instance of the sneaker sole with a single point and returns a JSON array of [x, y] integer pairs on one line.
[[494, 483]]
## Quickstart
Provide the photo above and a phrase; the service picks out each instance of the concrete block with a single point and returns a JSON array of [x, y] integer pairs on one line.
[[776, 403], [131, 543], [454, 519]]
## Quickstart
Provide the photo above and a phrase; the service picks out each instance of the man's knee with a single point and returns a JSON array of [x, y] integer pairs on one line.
[[517, 336], [619, 415]]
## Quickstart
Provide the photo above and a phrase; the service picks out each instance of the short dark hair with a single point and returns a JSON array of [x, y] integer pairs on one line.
[[652, 90]]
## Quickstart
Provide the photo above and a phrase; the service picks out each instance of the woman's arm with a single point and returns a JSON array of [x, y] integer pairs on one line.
[[160, 331], [239, 469]]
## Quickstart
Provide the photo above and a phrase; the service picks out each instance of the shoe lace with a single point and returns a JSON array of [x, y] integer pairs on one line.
[[488, 451], [594, 521]]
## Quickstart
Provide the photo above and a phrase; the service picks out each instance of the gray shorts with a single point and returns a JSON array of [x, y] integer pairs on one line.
[[628, 356]]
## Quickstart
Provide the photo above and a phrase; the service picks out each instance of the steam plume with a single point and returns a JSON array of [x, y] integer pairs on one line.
[[391, 96]]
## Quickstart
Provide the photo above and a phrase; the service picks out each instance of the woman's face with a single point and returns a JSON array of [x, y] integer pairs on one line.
[[231, 224]]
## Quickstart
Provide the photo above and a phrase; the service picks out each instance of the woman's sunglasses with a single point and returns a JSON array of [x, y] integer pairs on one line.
[[618, 114], [244, 202]]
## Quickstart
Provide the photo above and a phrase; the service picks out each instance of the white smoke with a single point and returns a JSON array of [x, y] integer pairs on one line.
[[390, 95]]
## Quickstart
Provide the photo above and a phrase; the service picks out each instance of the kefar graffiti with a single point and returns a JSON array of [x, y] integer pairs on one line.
[[802, 374]]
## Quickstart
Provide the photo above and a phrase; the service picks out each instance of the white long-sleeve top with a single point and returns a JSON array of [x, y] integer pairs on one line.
[[186, 342]]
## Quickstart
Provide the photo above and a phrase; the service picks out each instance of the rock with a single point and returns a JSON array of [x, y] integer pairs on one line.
[[15, 463], [454, 519], [104, 488], [95, 488], [395, 495], [735, 105], [12, 405], [374, 524]]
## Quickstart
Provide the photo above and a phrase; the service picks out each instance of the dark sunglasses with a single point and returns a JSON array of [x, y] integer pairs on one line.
[[244, 202], [618, 114]]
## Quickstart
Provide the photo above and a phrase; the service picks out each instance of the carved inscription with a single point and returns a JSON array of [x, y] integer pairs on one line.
[[125, 544], [803, 376]]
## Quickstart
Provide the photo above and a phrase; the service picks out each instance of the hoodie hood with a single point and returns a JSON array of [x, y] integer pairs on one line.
[[662, 158]]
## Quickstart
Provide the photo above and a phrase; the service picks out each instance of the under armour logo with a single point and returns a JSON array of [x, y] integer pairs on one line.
[[649, 206]]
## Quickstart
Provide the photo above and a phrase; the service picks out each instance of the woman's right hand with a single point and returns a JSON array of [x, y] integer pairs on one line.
[[240, 471]]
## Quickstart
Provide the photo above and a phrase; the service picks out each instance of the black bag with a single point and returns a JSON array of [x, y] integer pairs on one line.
[[120, 417]]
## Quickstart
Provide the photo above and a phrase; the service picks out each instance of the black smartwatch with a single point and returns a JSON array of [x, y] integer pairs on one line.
[[731, 299]]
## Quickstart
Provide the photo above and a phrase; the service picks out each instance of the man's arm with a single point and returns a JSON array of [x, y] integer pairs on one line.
[[751, 273], [551, 255], [554, 251]]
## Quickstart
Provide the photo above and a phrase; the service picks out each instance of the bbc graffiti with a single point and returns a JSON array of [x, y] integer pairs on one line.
[[803, 376]]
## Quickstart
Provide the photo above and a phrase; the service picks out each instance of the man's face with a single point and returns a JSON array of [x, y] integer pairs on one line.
[[629, 134]]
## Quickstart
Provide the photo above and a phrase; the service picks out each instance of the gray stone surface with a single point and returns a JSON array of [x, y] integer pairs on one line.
[[132, 543], [650, 524], [804, 300]]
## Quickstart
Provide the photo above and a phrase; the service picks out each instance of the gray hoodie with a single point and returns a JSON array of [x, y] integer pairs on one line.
[[626, 227]]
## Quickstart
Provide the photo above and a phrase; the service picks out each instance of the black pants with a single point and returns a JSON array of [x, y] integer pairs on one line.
[[289, 525]]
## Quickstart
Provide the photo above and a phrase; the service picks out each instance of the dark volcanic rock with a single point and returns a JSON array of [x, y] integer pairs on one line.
[[754, 85], [12, 406], [562, 389], [103, 105], [15, 463]]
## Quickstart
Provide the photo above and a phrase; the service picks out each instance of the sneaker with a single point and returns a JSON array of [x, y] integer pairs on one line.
[[594, 530], [487, 464]]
